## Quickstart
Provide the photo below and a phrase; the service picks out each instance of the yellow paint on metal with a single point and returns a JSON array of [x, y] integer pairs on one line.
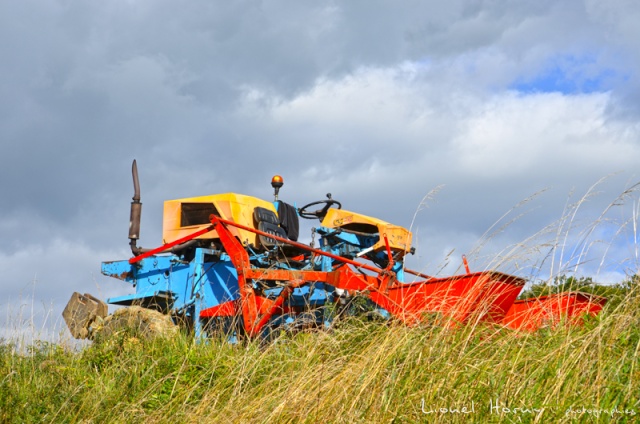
[[232, 206], [399, 237]]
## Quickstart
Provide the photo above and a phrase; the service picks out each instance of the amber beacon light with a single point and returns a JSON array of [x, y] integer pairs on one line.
[[276, 182]]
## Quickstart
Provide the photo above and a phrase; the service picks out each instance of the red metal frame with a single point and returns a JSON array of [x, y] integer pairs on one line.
[[482, 296], [485, 296]]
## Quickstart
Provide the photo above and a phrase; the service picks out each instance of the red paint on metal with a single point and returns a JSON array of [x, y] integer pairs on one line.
[[170, 245], [274, 306], [232, 308], [226, 309], [534, 313]]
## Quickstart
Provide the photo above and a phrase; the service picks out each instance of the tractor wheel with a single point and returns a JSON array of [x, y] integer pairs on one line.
[[136, 321]]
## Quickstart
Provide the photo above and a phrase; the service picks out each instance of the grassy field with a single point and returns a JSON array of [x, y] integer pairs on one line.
[[360, 371]]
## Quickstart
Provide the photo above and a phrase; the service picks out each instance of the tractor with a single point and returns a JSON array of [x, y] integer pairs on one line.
[[232, 264]]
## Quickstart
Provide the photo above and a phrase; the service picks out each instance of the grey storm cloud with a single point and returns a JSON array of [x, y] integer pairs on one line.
[[482, 104]]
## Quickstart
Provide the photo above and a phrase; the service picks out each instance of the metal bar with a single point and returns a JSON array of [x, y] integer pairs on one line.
[[198, 290], [466, 264], [170, 245], [365, 251], [418, 274]]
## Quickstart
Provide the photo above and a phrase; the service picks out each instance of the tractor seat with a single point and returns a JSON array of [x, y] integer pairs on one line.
[[268, 222], [289, 220]]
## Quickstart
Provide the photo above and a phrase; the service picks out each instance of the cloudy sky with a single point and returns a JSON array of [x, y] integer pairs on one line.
[[504, 130]]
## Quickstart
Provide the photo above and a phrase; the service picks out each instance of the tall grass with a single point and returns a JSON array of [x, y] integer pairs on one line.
[[360, 371]]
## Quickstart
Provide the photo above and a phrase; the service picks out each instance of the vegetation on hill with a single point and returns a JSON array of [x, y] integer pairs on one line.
[[358, 371], [615, 293]]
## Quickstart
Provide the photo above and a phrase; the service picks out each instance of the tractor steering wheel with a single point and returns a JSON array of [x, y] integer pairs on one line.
[[320, 213]]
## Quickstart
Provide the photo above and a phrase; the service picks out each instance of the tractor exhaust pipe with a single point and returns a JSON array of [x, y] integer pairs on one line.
[[136, 212], [134, 219]]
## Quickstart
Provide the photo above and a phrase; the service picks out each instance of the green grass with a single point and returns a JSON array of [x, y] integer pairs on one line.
[[358, 372]]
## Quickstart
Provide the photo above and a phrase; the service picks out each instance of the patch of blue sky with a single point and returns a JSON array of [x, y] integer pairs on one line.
[[609, 247], [570, 75]]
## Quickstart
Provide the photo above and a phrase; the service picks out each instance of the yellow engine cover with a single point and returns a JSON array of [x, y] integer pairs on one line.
[[186, 216], [399, 238]]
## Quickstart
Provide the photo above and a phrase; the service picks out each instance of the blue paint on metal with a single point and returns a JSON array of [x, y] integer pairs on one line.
[[138, 297]]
